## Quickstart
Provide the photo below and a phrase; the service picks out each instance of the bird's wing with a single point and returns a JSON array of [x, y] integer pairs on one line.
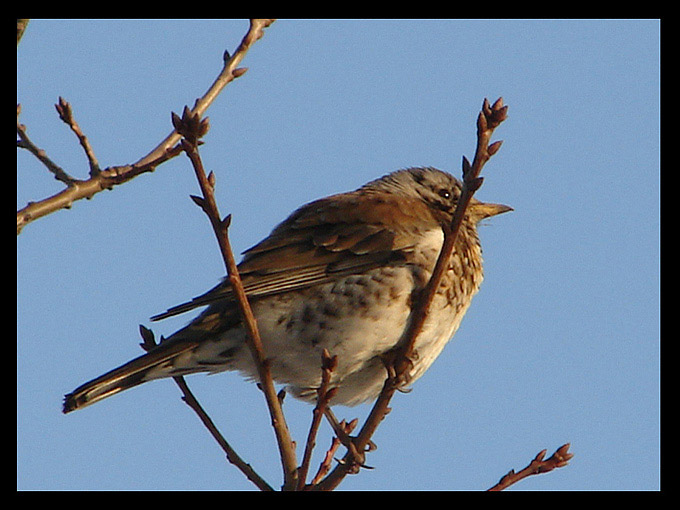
[[332, 237]]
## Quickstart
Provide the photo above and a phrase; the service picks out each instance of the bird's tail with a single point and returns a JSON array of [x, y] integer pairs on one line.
[[130, 374]]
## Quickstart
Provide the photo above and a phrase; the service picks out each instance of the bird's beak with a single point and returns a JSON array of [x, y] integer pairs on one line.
[[483, 210]]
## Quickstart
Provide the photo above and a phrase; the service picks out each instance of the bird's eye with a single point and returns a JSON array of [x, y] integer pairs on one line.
[[444, 193]]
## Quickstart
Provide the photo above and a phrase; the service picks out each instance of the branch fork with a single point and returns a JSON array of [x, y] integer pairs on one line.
[[100, 180]]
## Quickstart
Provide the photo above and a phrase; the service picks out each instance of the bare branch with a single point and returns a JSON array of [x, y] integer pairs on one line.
[[232, 456], [324, 395], [77, 190], [192, 128], [559, 459], [24, 142], [325, 466], [229, 72], [112, 176], [489, 118], [148, 343], [66, 114]]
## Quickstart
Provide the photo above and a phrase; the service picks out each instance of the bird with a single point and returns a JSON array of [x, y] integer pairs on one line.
[[340, 274]]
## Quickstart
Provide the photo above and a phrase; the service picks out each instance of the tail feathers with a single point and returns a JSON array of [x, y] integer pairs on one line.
[[126, 376]]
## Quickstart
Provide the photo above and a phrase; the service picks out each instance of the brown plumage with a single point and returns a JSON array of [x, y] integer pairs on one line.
[[340, 273]]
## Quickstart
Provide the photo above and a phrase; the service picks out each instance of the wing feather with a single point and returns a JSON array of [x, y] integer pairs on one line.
[[326, 239]]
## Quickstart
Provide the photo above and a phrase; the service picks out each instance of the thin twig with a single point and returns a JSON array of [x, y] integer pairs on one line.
[[489, 118], [559, 459], [116, 175], [324, 395], [232, 456], [192, 128], [336, 443], [229, 72], [148, 343], [65, 112], [24, 142], [77, 189]]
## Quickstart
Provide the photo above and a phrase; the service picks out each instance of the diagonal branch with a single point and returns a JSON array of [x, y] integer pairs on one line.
[[192, 128], [108, 178], [336, 443], [325, 394], [232, 456], [66, 114], [148, 343], [557, 460], [229, 72], [24, 142], [489, 118]]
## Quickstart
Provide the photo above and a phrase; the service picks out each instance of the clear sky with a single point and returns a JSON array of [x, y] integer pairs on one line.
[[560, 345]]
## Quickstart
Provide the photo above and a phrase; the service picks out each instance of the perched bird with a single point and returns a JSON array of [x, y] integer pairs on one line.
[[341, 273]]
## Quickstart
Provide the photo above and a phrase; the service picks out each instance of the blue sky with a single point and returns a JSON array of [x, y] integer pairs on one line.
[[560, 345]]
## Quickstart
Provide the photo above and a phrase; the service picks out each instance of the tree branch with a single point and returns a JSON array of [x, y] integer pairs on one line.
[[489, 118], [24, 142], [232, 456], [166, 149], [558, 459], [148, 343], [324, 395], [192, 128], [66, 114], [229, 72], [336, 443]]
